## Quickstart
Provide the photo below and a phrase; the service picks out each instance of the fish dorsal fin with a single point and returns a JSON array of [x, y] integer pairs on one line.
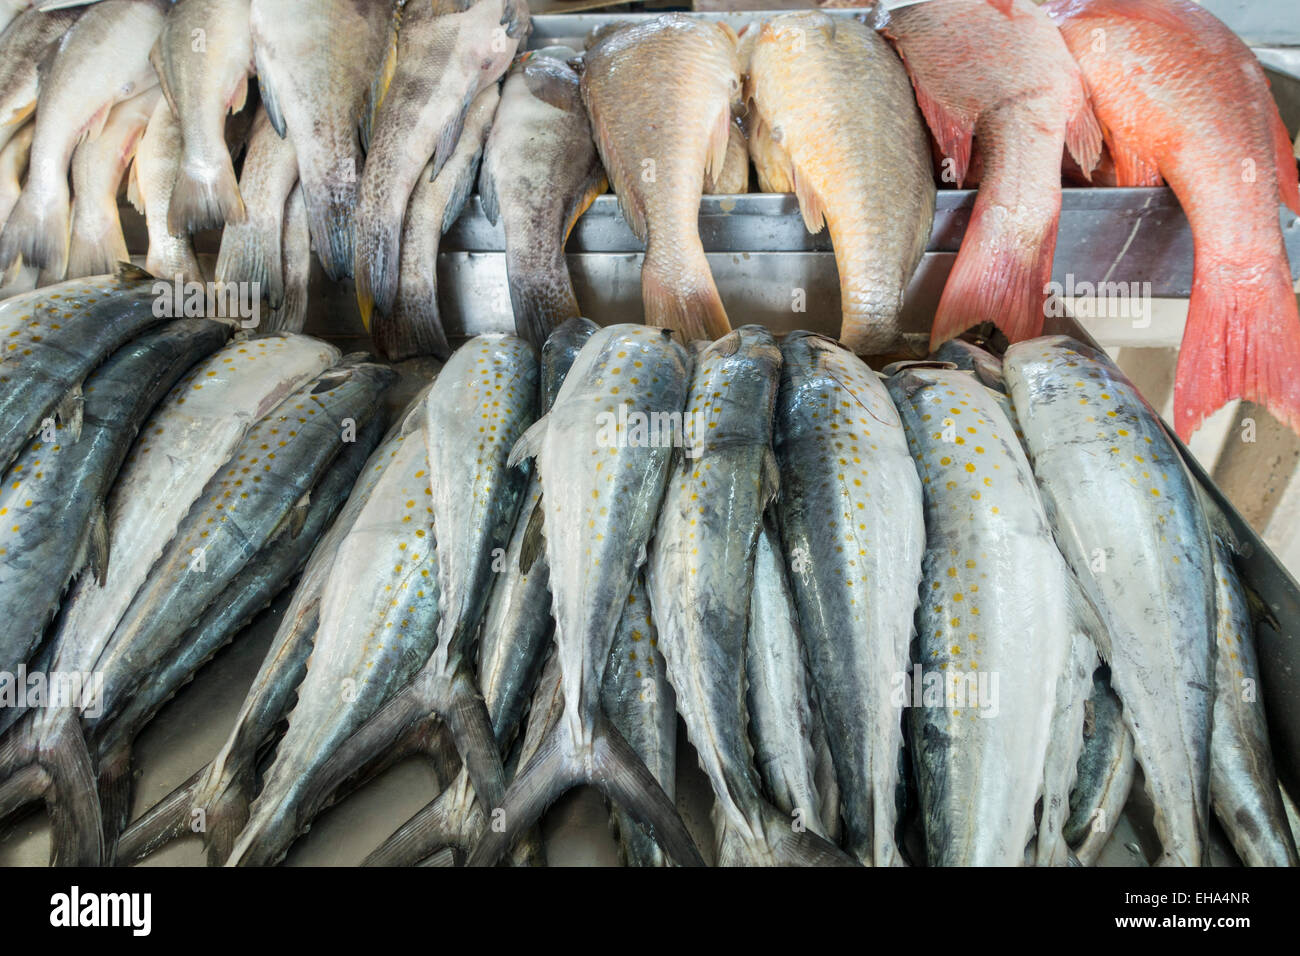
[[534, 541], [529, 443], [269, 100], [128, 272]]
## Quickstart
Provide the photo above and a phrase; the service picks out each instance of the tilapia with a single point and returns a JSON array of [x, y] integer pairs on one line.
[[734, 177], [221, 791], [22, 51], [852, 527], [291, 315], [1129, 523], [153, 177], [203, 58], [996, 72], [252, 250], [660, 95], [314, 75], [445, 52], [414, 326], [102, 59], [1183, 99], [13, 167], [53, 495], [836, 103], [643, 708], [540, 173], [98, 165], [777, 691], [1243, 783], [602, 486], [994, 643], [1105, 772], [63, 337]]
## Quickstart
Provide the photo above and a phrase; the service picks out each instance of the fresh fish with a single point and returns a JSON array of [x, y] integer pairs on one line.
[[247, 594], [414, 326], [445, 52], [1130, 525], [853, 532], [97, 243], [966, 355], [314, 74], [734, 177], [65, 339], [13, 166], [1105, 772], [1243, 784], [778, 686], [251, 250], [835, 101], [1065, 747], [643, 708], [153, 177], [980, 748], [101, 60], [1019, 96], [599, 511], [53, 495], [10, 10], [512, 644], [22, 51], [540, 173], [1180, 97], [221, 791], [203, 58], [661, 94], [291, 315]]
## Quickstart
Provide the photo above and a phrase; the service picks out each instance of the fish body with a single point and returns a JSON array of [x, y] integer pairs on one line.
[[1006, 83], [414, 327], [13, 166], [660, 95], [153, 177], [1105, 773], [203, 58], [864, 173], [734, 177], [101, 60], [314, 74], [22, 50], [446, 52], [97, 244], [291, 315], [1243, 783], [540, 173], [1183, 99], [853, 533], [1120, 499]]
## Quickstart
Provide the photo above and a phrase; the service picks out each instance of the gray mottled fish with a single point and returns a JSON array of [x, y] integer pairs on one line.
[[780, 718], [102, 59], [446, 52], [414, 326], [153, 177], [852, 526], [203, 58], [97, 244], [1243, 783], [1105, 772], [540, 173], [314, 74], [1120, 499], [602, 488], [291, 315]]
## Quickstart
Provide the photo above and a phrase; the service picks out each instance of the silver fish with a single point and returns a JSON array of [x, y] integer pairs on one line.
[[153, 177], [1121, 500], [1105, 772]]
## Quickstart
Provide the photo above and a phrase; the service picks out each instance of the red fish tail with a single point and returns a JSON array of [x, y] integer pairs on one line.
[[1000, 276], [1288, 181], [1242, 341]]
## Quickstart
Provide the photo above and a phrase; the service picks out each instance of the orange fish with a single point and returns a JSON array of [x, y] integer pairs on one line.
[[997, 71], [1180, 97]]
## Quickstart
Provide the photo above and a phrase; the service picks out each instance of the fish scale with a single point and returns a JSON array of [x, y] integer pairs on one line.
[[1129, 523]]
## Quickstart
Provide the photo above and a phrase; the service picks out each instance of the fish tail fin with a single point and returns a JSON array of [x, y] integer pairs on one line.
[[435, 827], [782, 844], [467, 718], [114, 772], [72, 800], [97, 255], [205, 198], [37, 230], [22, 780], [376, 259], [250, 255], [682, 298], [414, 327], [1000, 276], [1288, 178], [224, 817], [162, 823], [332, 228], [1242, 340], [541, 298]]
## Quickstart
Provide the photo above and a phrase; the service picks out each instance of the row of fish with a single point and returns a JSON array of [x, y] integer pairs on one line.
[[819, 568]]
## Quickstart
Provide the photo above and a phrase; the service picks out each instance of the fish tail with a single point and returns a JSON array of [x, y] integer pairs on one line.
[[1000, 276], [467, 718], [1288, 177], [97, 255], [22, 780], [682, 297], [332, 225], [433, 828], [1242, 340], [114, 773], [72, 799], [205, 198], [783, 845], [162, 823], [37, 230], [542, 297], [378, 246], [225, 816], [252, 255], [414, 327], [612, 766]]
